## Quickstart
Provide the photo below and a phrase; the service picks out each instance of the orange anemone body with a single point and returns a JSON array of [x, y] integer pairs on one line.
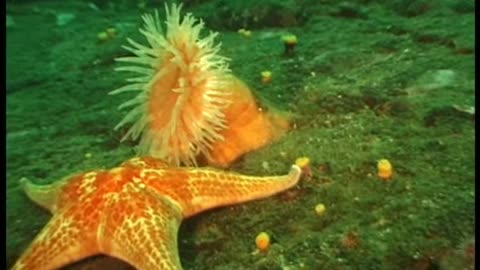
[[249, 127]]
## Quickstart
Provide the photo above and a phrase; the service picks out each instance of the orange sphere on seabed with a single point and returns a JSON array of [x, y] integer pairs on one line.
[[263, 241]]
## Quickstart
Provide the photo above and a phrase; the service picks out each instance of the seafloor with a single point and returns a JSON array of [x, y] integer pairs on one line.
[[367, 80]]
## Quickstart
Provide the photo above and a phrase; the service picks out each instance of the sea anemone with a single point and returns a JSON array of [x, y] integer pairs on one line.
[[188, 102]]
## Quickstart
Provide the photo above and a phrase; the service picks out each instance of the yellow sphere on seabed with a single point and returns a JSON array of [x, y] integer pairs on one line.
[[385, 169]]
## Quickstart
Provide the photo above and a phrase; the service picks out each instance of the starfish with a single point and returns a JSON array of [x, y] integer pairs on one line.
[[133, 212]]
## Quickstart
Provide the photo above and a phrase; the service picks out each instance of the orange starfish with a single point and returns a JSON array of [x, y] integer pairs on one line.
[[133, 212]]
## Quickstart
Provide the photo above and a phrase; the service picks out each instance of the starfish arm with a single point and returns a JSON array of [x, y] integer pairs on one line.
[[62, 241], [209, 188], [44, 195], [141, 229]]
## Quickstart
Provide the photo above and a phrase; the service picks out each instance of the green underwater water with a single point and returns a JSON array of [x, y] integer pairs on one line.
[[368, 80]]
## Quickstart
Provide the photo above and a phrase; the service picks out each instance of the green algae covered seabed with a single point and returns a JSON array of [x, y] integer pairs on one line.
[[368, 80]]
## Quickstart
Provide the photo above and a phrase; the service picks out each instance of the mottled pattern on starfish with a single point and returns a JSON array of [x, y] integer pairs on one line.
[[133, 212]]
